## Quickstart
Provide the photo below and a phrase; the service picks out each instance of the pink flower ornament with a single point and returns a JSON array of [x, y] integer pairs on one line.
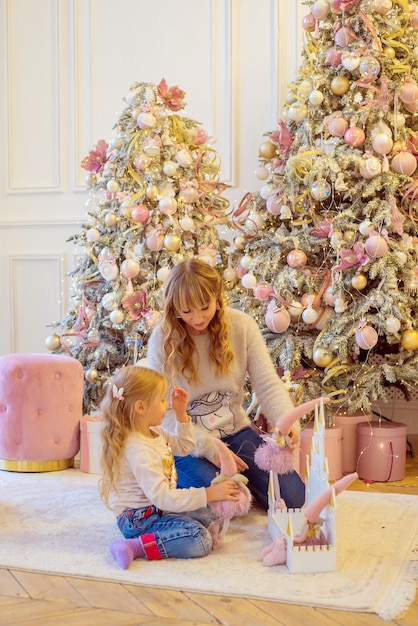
[[171, 96], [97, 158]]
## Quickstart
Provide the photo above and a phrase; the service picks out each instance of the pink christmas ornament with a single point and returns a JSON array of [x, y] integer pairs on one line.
[[308, 23], [354, 137], [334, 57], [366, 337], [277, 319], [296, 259], [404, 163], [343, 37], [337, 125], [376, 246], [167, 205], [320, 9], [155, 238], [274, 204], [140, 214], [408, 93], [262, 292]]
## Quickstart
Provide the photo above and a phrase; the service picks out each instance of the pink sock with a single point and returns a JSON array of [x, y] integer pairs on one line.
[[126, 550]]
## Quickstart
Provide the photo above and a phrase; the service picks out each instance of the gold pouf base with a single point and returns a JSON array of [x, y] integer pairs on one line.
[[36, 466]]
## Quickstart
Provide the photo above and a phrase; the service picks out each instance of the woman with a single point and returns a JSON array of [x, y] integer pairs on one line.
[[210, 350]]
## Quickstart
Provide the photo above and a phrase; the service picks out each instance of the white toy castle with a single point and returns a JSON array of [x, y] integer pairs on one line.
[[289, 523]]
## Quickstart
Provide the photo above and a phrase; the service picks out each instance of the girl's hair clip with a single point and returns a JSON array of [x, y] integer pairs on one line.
[[118, 393]]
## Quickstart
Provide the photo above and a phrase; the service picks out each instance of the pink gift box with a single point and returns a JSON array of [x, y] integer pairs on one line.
[[381, 451], [349, 446], [91, 444]]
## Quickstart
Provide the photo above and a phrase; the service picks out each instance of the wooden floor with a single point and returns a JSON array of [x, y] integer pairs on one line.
[[27, 598]]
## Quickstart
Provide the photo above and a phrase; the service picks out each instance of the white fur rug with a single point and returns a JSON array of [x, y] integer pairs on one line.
[[55, 523]]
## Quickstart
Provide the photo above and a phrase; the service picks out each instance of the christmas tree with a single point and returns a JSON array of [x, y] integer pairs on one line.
[[326, 250], [155, 198]]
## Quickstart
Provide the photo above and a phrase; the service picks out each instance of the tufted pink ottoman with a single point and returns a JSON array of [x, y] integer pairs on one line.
[[41, 398]]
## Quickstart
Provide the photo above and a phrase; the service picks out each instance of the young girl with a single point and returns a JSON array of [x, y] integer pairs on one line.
[[210, 350], [139, 477]]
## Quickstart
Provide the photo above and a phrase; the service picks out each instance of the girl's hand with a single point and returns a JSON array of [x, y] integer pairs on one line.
[[226, 490], [241, 465], [179, 400]]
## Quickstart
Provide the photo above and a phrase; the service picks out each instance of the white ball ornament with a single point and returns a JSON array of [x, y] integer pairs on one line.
[[262, 173], [401, 255], [316, 97], [110, 301], [254, 222], [169, 168], [399, 120], [117, 316], [246, 261], [392, 324], [365, 227], [184, 158], [130, 268], [146, 120], [110, 219], [167, 205], [249, 281], [382, 143], [230, 274], [93, 235], [267, 191], [162, 274], [298, 112], [112, 186], [186, 223], [309, 316]]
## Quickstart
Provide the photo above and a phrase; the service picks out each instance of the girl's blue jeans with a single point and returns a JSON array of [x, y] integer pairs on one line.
[[169, 535], [198, 472]]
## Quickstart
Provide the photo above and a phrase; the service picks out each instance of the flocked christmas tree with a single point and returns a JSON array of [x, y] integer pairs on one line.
[[327, 248], [154, 198]]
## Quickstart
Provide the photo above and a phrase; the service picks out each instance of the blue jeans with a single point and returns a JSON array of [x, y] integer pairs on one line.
[[198, 472], [169, 535]]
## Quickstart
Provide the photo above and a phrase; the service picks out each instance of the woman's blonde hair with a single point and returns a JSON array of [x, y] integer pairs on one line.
[[192, 283], [128, 384]]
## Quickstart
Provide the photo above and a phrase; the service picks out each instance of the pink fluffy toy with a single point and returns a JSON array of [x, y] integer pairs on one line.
[[310, 533], [278, 451], [227, 509]]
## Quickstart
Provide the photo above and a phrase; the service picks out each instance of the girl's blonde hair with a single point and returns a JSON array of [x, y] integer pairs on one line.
[[128, 384], [192, 283]]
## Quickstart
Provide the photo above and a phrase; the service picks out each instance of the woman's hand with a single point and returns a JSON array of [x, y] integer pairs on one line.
[[179, 400], [241, 465], [226, 490]]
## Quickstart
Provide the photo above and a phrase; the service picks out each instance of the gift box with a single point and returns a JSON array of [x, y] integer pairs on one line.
[[349, 444], [333, 438], [91, 444], [381, 451]]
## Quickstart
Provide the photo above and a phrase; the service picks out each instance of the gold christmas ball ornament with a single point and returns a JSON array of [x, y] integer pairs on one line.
[[172, 242], [409, 339], [53, 342], [92, 375], [322, 357], [340, 85], [389, 52], [359, 281], [267, 150]]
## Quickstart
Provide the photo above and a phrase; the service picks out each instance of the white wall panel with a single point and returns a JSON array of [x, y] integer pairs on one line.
[[34, 96], [37, 298]]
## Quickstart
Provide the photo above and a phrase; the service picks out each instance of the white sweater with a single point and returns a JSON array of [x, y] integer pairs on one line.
[[216, 402], [148, 474]]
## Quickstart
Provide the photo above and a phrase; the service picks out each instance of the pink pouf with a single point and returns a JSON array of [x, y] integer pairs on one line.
[[41, 398]]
